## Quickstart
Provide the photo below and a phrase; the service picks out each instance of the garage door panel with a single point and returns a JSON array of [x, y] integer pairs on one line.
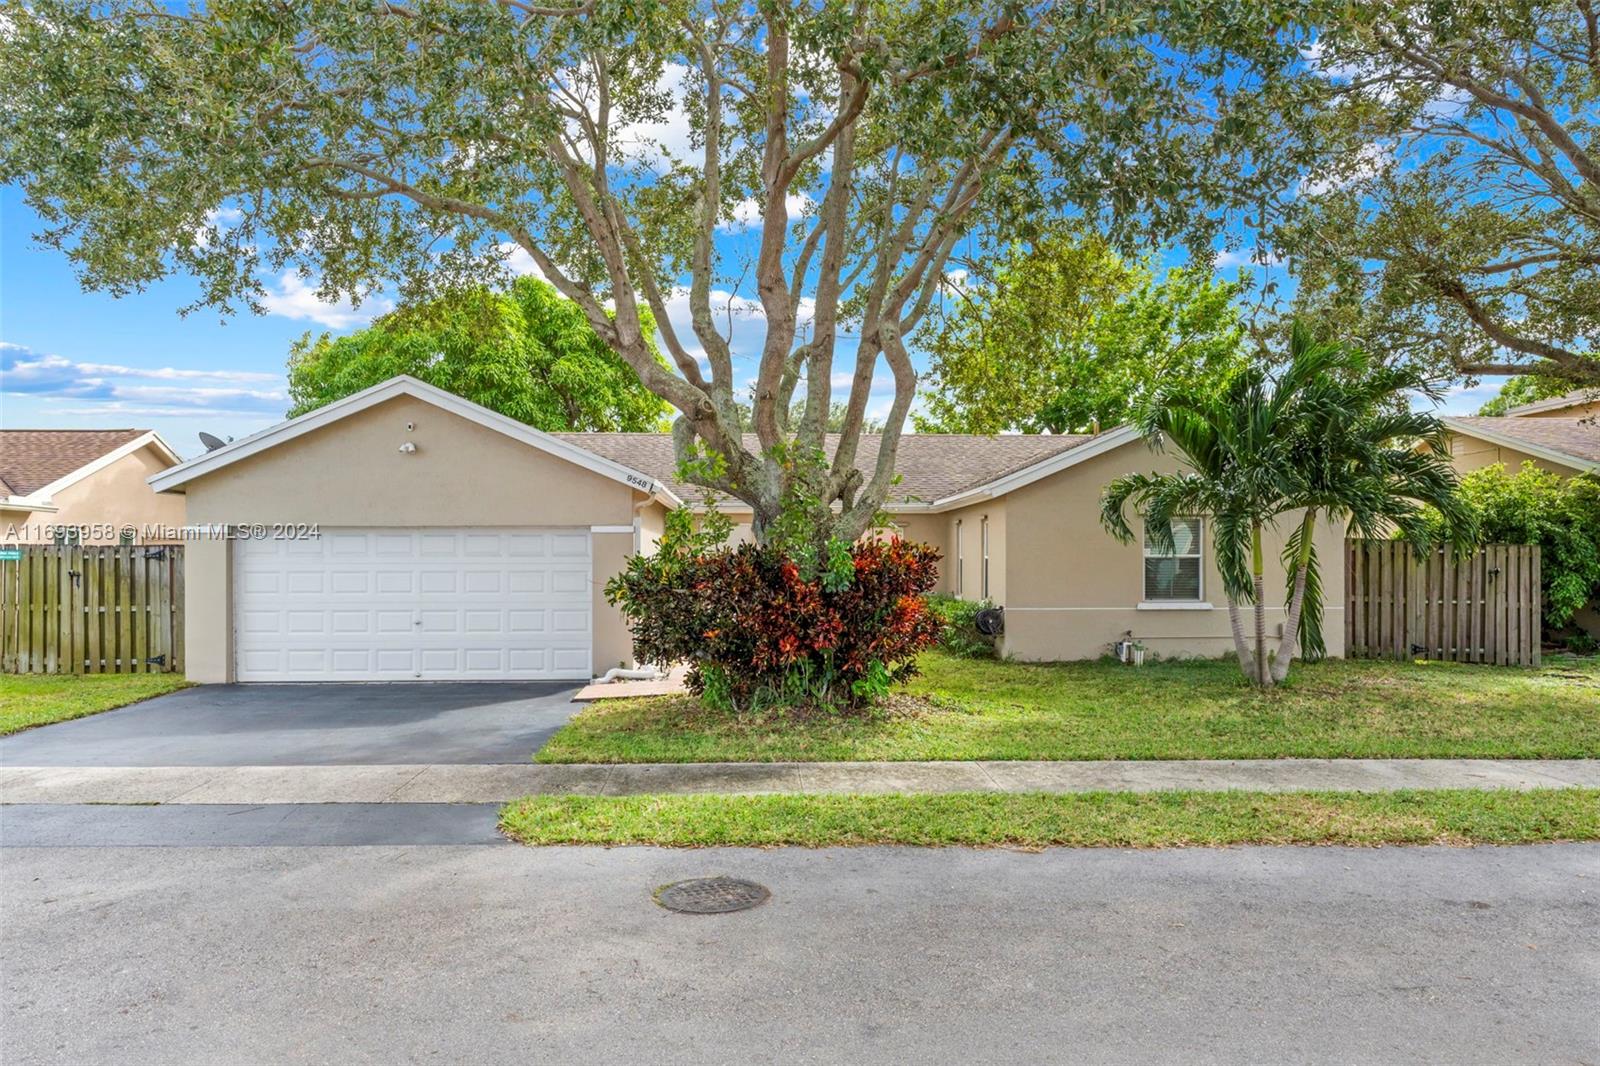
[[407, 604]]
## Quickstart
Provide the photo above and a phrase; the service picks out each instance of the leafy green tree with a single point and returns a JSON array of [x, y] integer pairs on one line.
[[421, 143], [528, 352], [1456, 221], [1527, 389], [1065, 334], [1324, 433]]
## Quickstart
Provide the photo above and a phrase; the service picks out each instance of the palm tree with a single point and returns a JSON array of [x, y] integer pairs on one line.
[[1324, 433]]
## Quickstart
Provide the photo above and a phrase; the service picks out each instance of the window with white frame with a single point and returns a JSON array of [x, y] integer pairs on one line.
[[959, 586], [1174, 575], [983, 528]]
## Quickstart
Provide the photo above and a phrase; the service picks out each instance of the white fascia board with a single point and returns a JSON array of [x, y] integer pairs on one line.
[[1472, 429], [1554, 403], [1100, 445], [1105, 442], [405, 385], [153, 439], [27, 503]]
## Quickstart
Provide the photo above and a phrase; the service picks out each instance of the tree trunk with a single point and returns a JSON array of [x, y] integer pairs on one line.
[[1263, 678], [1241, 647], [1297, 602]]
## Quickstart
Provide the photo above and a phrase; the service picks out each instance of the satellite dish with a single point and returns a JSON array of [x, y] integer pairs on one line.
[[211, 441]]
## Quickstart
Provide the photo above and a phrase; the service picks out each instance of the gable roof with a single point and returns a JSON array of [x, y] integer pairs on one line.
[[1575, 398], [1573, 442], [938, 471], [36, 463], [405, 385]]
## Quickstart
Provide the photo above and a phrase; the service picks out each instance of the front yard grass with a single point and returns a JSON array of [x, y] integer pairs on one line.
[[27, 700], [1036, 820], [977, 709]]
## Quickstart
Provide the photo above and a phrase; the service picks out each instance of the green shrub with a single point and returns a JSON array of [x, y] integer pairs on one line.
[[1560, 514], [958, 629], [760, 628]]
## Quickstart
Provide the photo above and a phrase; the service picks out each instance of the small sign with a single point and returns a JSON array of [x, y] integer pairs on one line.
[[10, 555]]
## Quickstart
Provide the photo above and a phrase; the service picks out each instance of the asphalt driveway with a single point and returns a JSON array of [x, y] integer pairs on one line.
[[290, 725]]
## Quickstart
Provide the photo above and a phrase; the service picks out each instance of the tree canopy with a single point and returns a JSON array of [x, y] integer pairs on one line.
[[421, 144], [1064, 335], [1456, 221], [527, 352]]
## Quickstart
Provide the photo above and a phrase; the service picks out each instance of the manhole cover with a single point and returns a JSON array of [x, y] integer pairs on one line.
[[711, 895]]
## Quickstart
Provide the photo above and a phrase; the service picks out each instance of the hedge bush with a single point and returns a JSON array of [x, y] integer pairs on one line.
[[760, 629], [958, 630], [1560, 514]]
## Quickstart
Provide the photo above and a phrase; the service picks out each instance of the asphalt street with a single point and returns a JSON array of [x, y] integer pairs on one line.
[[499, 953]]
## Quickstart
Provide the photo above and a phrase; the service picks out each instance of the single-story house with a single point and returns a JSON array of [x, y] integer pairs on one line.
[[405, 533], [85, 486]]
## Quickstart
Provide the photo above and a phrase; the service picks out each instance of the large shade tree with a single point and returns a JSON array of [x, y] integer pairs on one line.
[[526, 352], [1063, 334], [611, 142], [1456, 218]]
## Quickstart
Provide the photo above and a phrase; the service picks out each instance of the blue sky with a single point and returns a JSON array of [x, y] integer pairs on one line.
[[72, 359]]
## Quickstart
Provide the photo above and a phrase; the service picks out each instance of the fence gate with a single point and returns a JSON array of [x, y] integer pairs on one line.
[[1479, 606], [68, 609]]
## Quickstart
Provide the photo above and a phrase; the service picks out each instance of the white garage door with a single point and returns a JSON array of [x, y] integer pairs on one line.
[[414, 604]]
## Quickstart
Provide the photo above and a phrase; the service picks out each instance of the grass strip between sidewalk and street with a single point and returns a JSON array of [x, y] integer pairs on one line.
[[28, 700], [1032, 820]]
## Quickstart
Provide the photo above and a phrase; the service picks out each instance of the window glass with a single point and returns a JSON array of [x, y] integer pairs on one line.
[[1174, 575]]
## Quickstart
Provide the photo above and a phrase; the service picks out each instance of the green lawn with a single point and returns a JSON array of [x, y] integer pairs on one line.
[[1103, 819], [28, 700], [1170, 710]]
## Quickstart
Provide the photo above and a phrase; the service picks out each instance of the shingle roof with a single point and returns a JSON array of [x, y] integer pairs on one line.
[[1575, 398], [931, 465], [1577, 437], [30, 459]]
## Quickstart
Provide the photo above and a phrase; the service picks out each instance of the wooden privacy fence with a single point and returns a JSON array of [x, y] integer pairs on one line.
[[89, 610], [1478, 606]]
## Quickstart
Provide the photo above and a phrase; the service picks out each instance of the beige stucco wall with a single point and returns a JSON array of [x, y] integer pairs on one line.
[[351, 473], [102, 503], [1073, 589], [1469, 453]]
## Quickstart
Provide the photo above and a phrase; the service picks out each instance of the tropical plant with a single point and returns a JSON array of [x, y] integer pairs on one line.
[[1324, 434], [528, 352], [958, 626], [759, 630], [1063, 334]]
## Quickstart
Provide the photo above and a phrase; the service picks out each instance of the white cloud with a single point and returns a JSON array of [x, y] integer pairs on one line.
[[293, 297], [519, 262], [1368, 161], [1248, 257], [112, 388], [747, 212]]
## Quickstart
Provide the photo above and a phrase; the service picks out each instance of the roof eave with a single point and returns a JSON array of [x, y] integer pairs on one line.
[[1540, 451]]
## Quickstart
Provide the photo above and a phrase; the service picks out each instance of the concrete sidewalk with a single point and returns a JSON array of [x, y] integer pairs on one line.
[[497, 783]]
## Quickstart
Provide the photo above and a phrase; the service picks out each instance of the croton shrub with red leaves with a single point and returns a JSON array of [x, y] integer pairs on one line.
[[758, 632]]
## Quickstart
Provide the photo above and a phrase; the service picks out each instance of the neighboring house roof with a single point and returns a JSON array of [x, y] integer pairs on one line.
[[1573, 442], [37, 463], [1575, 398], [404, 385], [938, 471]]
